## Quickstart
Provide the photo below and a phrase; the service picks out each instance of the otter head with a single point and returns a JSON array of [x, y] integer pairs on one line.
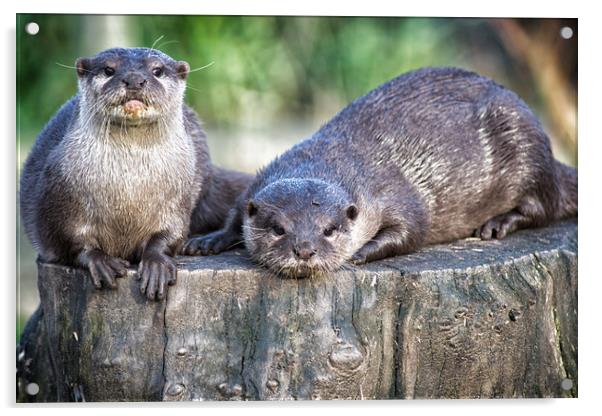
[[131, 85], [300, 227]]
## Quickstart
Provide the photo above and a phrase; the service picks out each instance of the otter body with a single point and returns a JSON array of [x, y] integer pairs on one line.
[[431, 156], [122, 172]]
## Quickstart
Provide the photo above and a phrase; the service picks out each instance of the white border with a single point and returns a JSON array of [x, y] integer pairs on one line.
[[589, 230], [462, 8]]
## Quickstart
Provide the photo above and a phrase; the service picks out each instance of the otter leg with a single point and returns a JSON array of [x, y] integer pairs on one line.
[[501, 225], [212, 243], [102, 267], [529, 213], [388, 242], [404, 225], [217, 241], [157, 268]]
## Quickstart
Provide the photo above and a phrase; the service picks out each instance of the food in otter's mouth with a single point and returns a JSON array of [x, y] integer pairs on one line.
[[432, 156], [133, 107]]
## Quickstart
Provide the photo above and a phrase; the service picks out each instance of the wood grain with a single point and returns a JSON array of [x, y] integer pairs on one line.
[[470, 319]]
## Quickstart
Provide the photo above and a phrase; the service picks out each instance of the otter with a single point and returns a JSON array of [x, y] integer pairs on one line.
[[431, 156], [122, 172]]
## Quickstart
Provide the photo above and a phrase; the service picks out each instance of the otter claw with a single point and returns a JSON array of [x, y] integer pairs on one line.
[[192, 247], [105, 269], [156, 273], [212, 243], [358, 259], [500, 226]]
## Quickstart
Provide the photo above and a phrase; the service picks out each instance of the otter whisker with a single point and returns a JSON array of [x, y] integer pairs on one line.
[[72, 67], [154, 43], [188, 87], [252, 228], [234, 245], [190, 71], [169, 42]]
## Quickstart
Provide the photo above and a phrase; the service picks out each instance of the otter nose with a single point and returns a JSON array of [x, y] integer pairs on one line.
[[304, 250], [134, 81]]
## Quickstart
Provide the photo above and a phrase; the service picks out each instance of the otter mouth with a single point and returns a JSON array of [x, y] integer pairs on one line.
[[133, 110], [133, 106], [300, 271]]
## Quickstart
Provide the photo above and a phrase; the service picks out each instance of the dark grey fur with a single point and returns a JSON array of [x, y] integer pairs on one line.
[[434, 155], [102, 188]]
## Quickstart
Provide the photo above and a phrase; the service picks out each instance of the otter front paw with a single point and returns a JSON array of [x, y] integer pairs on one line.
[[212, 243], [104, 269], [156, 272], [360, 257], [500, 226]]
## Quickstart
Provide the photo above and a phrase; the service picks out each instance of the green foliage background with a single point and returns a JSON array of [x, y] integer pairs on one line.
[[281, 66], [268, 73]]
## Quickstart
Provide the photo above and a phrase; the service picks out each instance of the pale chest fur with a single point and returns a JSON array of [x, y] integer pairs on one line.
[[129, 190]]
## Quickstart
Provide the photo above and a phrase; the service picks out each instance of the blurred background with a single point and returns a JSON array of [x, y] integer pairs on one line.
[[274, 80]]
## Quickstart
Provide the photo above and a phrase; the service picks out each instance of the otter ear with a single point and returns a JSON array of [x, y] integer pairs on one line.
[[82, 65], [351, 212], [182, 69], [251, 208]]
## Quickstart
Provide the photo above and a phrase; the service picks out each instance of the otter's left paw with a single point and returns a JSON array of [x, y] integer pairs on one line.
[[358, 258], [212, 243], [156, 272]]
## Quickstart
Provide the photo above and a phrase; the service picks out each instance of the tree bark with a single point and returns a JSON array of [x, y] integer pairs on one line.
[[470, 319]]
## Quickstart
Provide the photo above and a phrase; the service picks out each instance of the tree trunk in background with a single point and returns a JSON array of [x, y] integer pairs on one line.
[[107, 31], [544, 52], [464, 320]]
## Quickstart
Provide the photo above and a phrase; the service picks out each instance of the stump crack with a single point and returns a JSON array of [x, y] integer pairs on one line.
[[555, 318], [165, 346]]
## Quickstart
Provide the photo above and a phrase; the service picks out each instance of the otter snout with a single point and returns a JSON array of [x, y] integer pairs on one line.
[[304, 250], [134, 81]]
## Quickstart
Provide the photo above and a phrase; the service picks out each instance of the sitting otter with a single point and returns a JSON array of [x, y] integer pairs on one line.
[[122, 172]]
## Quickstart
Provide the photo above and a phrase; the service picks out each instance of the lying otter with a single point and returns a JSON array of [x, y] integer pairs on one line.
[[433, 155]]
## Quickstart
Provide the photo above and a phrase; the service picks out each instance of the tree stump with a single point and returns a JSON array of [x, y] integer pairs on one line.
[[470, 319]]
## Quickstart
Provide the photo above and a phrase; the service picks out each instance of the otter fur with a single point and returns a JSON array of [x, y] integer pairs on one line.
[[122, 172], [433, 155]]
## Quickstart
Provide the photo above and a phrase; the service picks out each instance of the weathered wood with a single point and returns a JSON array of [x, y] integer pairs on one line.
[[33, 363], [462, 320]]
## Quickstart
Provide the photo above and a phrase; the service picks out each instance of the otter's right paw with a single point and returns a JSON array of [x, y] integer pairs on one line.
[[156, 271], [104, 268], [212, 243], [359, 258], [500, 226]]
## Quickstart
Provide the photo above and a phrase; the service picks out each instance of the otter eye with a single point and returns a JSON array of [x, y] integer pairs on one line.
[[330, 230], [278, 230], [109, 72], [158, 71]]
